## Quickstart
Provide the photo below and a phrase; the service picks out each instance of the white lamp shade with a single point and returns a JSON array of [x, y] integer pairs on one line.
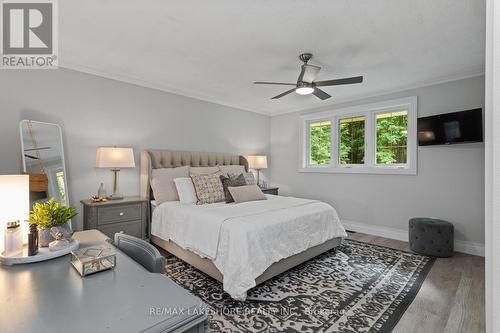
[[114, 157], [14, 202], [257, 162]]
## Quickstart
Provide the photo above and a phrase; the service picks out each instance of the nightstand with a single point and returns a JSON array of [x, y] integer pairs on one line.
[[129, 215], [270, 190]]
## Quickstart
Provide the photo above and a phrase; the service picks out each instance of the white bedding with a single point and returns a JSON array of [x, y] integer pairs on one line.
[[244, 239]]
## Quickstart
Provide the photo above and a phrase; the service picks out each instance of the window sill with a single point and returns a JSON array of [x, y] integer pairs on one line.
[[361, 170]]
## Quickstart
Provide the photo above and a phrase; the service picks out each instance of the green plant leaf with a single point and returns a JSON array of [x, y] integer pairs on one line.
[[50, 214]]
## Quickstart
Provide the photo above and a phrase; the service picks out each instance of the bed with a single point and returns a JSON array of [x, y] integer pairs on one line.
[[240, 245]]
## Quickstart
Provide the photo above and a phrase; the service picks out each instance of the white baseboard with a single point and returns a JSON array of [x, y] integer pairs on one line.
[[476, 249]]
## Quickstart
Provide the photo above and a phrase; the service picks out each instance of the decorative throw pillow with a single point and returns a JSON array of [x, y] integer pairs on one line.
[[246, 193], [203, 170], [249, 177], [186, 191], [231, 169], [208, 188], [226, 182], [162, 183]]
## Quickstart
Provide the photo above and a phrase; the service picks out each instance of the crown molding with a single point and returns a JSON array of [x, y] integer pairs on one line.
[[201, 97], [151, 85], [422, 84]]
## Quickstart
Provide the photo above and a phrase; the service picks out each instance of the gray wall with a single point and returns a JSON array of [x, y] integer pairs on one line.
[[95, 112], [449, 183]]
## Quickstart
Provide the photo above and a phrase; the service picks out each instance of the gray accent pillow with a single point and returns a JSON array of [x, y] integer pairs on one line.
[[226, 182], [208, 188], [162, 183], [249, 177]]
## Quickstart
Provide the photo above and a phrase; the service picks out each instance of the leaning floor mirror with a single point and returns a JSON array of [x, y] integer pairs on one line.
[[43, 160]]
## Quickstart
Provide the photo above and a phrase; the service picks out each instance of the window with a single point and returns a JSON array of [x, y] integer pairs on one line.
[[392, 137], [320, 142], [373, 138], [61, 189], [352, 140]]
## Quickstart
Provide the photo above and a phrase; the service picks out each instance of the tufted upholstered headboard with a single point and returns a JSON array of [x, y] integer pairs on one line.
[[160, 158]]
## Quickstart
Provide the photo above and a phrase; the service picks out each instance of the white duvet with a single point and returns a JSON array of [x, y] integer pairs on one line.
[[244, 239]]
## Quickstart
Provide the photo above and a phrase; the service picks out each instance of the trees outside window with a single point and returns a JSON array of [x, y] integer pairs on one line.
[[320, 137], [392, 137], [373, 138], [352, 140]]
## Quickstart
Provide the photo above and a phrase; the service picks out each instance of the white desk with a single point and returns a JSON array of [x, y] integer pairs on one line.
[[51, 296]]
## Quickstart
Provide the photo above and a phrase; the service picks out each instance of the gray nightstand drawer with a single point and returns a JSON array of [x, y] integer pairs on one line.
[[108, 215], [130, 215], [132, 228]]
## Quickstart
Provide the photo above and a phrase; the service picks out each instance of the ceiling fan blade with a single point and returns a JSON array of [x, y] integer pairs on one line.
[[321, 94], [283, 94], [43, 148], [280, 83], [31, 156], [337, 82], [308, 73]]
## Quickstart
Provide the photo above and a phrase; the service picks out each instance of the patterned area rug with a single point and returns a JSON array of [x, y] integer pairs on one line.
[[357, 288]]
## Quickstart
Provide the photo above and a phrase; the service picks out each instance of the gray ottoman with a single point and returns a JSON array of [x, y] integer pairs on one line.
[[432, 237]]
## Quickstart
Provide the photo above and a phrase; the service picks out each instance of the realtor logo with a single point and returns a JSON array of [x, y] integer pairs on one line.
[[28, 34]]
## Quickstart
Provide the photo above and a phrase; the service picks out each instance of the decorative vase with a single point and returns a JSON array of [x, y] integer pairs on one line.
[[33, 240], [45, 236], [101, 192]]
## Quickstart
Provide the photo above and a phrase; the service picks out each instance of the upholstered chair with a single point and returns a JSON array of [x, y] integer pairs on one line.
[[141, 251]]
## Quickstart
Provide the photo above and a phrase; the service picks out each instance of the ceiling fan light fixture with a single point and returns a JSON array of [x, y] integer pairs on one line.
[[307, 84], [304, 90]]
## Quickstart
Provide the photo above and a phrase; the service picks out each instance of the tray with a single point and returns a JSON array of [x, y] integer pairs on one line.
[[43, 254]]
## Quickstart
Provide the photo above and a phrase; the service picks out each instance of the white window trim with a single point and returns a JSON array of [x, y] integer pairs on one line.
[[307, 141], [336, 148], [369, 111]]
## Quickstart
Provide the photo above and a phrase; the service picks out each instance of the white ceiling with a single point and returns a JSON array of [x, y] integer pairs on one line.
[[214, 50]]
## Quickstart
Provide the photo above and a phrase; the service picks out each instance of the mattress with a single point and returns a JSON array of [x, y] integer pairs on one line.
[[244, 239]]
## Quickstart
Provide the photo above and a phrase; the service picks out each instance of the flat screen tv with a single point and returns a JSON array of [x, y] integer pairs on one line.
[[450, 128]]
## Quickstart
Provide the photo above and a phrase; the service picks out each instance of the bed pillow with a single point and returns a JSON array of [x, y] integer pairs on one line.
[[226, 182], [249, 177], [203, 170], [208, 188], [186, 191], [231, 169], [246, 193], [162, 183]]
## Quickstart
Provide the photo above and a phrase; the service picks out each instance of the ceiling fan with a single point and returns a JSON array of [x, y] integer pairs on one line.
[[305, 83]]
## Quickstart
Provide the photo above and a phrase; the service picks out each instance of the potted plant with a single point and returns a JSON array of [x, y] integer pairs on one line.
[[51, 214]]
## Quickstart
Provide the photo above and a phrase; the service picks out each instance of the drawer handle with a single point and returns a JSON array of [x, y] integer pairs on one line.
[[121, 213]]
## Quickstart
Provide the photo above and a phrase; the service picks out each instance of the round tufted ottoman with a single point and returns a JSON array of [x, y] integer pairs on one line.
[[432, 237]]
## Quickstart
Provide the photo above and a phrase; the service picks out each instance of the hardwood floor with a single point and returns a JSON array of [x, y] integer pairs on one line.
[[451, 298]]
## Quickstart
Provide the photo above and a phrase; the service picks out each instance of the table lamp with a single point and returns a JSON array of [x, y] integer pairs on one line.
[[115, 158], [257, 162], [14, 203]]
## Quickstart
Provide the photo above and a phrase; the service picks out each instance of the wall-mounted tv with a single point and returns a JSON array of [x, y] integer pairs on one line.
[[450, 128]]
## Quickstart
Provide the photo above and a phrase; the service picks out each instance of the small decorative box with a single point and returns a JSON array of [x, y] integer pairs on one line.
[[90, 260]]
